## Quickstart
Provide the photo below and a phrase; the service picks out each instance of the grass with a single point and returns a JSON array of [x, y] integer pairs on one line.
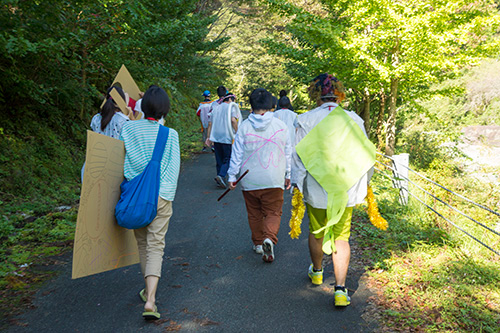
[[427, 275]]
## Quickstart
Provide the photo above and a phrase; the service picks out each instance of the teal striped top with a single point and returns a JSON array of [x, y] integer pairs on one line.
[[139, 137]]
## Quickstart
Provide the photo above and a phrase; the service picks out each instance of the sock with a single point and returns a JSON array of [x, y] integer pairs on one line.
[[342, 288], [317, 270]]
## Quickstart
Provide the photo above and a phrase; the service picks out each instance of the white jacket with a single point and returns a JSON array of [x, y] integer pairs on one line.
[[313, 193], [261, 146]]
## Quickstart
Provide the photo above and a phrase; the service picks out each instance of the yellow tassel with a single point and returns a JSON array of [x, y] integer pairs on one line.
[[375, 218], [298, 209]]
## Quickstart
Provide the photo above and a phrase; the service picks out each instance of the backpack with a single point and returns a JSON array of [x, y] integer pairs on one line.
[[139, 196]]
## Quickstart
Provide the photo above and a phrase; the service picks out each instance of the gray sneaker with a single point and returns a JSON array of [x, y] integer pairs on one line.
[[220, 181]]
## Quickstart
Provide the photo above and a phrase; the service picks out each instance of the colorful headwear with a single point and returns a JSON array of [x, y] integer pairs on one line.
[[206, 93], [326, 86]]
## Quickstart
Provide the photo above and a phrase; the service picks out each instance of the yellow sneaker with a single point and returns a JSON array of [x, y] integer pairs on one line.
[[342, 298], [316, 277]]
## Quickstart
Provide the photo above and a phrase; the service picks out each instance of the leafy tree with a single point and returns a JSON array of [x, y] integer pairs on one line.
[[58, 58], [384, 47]]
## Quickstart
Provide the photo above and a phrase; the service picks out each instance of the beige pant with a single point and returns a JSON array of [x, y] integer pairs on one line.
[[151, 240]]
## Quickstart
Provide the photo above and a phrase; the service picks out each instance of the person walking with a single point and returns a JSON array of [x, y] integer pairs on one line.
[[222, 126], [262, 146], [202, 112], [139, 138], [330, 164]]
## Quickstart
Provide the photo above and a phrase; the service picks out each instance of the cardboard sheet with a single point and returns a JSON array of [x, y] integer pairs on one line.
[[100, 244], [127, 82]]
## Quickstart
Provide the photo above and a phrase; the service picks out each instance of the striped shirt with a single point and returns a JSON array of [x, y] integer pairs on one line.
[[139, 137]]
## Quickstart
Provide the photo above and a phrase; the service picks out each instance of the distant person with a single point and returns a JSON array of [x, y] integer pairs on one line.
[[262, 146], [139, 138], [326, 235], [283, 93], [110, 120], [134, 106], [222, 127], [287, 116], [202, 112]]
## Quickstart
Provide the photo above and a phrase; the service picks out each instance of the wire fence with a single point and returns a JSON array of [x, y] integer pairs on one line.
[[398, 180]]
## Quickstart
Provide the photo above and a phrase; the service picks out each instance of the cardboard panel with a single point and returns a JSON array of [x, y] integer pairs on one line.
[[127, 82], [119, 101], [100, 244]]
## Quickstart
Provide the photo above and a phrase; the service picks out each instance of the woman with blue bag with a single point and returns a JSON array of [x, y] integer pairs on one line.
[[140, 138]]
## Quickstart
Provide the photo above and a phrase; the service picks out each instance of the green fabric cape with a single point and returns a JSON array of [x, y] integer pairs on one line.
[[337, 154]]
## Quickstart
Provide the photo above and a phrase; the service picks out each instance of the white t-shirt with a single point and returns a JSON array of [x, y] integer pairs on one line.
[[290, 119], [204, 110], [222, 130], [113, 128]]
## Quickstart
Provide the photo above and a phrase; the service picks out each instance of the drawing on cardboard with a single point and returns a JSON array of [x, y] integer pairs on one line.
[[100, 244]]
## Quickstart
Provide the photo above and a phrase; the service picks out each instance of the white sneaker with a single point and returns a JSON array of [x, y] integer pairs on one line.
[[258, 249], [268, 248]]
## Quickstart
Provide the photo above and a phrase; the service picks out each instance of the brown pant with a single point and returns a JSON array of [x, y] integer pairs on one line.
[[151, 240], [264, 213]]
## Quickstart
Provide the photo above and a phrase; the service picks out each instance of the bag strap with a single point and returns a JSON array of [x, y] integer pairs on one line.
[[161, 141]]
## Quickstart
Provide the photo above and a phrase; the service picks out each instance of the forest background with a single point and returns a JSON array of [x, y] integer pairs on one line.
[[417, 72]]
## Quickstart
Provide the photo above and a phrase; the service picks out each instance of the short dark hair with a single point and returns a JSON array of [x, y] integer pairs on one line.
[[261, 99], [221, 91], [283, 93], [155, 103], [284, 102]]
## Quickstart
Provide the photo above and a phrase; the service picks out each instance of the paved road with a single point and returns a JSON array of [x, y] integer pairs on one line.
[[212, 280]]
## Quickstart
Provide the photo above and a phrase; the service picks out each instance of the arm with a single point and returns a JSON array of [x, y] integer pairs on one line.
[[234, 123], [209, 130]]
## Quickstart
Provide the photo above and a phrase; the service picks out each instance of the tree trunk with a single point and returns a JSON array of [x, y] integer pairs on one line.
[[391, 120], [366, 111], [380, 119]]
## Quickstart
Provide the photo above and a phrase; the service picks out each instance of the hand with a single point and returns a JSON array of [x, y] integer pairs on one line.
[[288, 184], [232, 185], [141, 94], [208, 143]]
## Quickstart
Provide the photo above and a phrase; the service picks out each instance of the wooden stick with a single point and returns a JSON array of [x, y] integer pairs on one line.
[[235, 183]]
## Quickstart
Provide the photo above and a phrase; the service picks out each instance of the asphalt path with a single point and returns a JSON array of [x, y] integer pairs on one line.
[[212, 280]]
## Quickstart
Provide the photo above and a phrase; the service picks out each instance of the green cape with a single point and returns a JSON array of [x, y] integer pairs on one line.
[[337, 153]]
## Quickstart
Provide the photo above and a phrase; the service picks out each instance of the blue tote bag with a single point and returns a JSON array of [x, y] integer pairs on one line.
[[139, 196]]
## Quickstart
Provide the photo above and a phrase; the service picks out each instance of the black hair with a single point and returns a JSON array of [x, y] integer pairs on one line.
[[221, 91], [109, 107], [155, 103], [283, 93], [261, 99], [284, 103], [228, 97]]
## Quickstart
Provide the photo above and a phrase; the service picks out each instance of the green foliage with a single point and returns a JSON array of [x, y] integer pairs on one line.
[[60, 56], [384, 47]]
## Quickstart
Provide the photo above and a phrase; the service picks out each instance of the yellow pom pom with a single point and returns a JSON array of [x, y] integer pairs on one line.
[[298, 210], [375, 218]]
